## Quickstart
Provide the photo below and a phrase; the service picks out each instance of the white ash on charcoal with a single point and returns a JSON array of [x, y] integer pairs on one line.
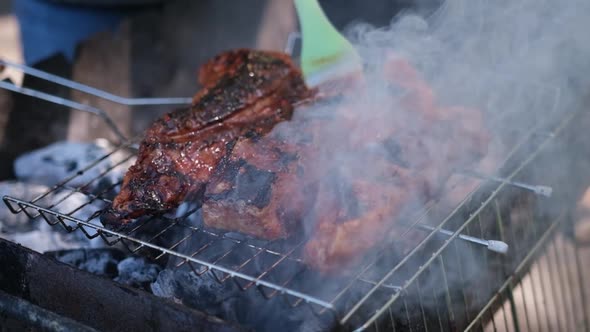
[[113, 263], [227, 301], [45, 238], [20, 222], [137, 272], [99, 261], [56, 162], [35, 233]]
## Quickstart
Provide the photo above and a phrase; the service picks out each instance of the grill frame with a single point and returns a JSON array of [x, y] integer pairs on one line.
[[490, 190]]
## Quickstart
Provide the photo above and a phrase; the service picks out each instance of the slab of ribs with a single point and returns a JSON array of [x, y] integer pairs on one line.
[[268, 157]]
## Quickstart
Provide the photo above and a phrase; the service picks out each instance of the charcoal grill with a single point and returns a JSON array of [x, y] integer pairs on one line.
[[425, 287]]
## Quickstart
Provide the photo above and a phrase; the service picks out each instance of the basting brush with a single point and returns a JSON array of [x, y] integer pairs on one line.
[[325, 54]]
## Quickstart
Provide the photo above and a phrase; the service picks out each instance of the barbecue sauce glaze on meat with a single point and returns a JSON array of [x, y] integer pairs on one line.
[[245, 93], [260, 169]]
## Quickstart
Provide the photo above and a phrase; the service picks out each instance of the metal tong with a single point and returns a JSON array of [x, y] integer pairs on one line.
[[83, 88]]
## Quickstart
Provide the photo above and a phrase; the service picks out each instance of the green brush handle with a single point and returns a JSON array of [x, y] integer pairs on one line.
[[322, 44]]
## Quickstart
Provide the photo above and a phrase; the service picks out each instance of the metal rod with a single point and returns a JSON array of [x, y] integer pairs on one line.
[[551, 285], [570, 281], [581, 281], [485, 203], [351, 312], [533, 292], [391, 319], [394, 287], [535, 286], [539, 190], [374, 260], [557, 285], [436, 306], [543, 288], [503, 310], [283, 284], [523, 264], [203, 247], [520, 202], [536, 282], [65, 102], [135, 250], [557, 270], [420, 300], [94, 91], [513, 311], [492, 245], [63, 183], [232, 273], [80, 189], [223, 236], [246, 262], [273, 266], [462, 280], [447, 294], [510, 183], [467, 222], [500, 224], [409, 326], [489, 286]]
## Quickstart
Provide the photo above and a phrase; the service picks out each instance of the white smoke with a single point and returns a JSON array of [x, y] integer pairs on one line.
[[471, 44], [520, 62]]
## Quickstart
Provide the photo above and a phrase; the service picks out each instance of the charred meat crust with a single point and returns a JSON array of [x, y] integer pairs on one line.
[[252, 178], [245, 92], [258, 190]]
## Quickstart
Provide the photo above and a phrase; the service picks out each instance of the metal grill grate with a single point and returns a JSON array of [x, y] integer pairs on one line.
[[416, 290]]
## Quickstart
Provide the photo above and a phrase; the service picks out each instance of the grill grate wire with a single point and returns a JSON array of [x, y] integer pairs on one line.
[[268, 279]]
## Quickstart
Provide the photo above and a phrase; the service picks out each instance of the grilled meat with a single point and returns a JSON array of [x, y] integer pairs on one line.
[[259, 189], [416, 152], [261, 175], [245, 92], [267, 186]]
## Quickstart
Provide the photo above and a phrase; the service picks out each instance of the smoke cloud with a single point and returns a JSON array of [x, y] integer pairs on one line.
[[494, 69], [518, 62]]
